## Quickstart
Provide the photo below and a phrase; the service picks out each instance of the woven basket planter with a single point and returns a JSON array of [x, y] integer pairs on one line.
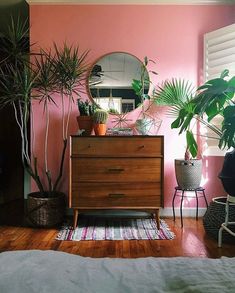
[[45, 212], [215, 216], [188, 173]]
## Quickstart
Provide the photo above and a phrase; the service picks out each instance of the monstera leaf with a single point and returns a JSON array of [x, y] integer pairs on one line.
[[228, 128]]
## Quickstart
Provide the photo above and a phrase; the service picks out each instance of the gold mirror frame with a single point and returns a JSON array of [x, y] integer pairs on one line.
[[109, 82]]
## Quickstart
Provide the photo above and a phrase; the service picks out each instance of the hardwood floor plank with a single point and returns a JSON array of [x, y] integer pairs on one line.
[[191, 240]]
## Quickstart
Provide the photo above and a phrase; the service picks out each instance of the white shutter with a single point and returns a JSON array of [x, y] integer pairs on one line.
[[219, 54]]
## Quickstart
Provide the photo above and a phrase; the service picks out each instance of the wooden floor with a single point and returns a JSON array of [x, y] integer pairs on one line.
[[189, 241]]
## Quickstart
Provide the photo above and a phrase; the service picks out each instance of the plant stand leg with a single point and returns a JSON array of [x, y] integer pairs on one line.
[[197, 205], [75, 218], [203, 192], [173, 204], [181, 205], [157, 219]]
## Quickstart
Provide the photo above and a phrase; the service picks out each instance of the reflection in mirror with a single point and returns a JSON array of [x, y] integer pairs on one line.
[[110, 82]]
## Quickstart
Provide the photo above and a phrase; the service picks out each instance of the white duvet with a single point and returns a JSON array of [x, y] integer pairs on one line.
[[52, 271]]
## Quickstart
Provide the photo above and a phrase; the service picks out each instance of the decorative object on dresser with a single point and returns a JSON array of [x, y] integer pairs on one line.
[[119, 83], [85, 119], [110, 79], [99, 119], [116, 172]]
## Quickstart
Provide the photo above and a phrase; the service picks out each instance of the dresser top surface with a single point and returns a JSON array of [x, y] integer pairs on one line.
[[118, 136]]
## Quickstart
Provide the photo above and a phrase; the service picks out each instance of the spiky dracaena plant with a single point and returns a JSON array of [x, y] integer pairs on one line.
[[21, 83]]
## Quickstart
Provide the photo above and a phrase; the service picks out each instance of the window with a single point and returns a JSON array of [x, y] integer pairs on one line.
[[219, 54]]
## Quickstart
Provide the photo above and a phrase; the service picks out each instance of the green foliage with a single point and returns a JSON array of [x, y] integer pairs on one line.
[[86, 108], [113, 111], [70, 69], [15, 43], [212, 99], [141, 86], [21, 82], [100, 116]]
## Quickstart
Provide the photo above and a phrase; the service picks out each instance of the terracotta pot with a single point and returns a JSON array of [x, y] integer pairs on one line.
[[45, 211], [100, 129], [85, 123]]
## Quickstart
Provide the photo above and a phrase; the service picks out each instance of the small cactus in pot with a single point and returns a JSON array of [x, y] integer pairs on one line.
[[100, 118]]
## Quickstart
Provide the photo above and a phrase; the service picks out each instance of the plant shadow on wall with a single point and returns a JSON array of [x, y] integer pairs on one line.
[[53, 79], [212, 99]]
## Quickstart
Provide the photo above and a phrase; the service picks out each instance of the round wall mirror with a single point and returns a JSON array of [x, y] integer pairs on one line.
[[110, 82]]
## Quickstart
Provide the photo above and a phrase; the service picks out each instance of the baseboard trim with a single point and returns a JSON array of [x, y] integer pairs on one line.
[[186, 212], [164, 212]]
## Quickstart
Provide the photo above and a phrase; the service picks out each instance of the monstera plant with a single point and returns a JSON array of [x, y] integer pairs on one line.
[[210, 100]]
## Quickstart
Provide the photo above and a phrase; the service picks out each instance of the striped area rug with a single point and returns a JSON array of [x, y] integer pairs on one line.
[[115, 229]]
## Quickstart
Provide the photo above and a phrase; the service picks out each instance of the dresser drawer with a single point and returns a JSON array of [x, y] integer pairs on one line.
[[135, 146], [116, 195], [116, 170]]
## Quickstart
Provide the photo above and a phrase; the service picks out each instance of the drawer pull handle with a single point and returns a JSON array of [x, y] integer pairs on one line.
[[116, 195], [141, 147], [116, 169]]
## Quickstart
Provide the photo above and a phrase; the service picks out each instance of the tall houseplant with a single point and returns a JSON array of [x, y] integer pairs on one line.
[[60, 75], [177, 94], [213, 99]]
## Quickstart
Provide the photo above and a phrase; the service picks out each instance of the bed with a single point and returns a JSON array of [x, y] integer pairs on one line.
[[52, 271]]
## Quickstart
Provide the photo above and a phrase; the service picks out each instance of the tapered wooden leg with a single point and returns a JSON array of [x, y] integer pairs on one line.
[[158, 219], [75, 218]]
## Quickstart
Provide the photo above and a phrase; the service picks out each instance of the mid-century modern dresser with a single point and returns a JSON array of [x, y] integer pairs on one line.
[[116, 172]]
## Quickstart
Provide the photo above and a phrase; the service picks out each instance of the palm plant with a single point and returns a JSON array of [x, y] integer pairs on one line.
[[177, 93], [213, 99], [22, 82]]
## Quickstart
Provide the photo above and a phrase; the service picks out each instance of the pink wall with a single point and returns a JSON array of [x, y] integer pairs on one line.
[[171, 35]]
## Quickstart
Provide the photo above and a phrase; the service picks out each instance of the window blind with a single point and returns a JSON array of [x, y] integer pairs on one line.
[[219, 54]]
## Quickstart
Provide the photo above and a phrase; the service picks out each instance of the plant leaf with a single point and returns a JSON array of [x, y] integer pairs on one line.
[[191, 143]]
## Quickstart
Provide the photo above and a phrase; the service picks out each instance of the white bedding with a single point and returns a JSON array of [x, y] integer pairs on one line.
[[51, 271]]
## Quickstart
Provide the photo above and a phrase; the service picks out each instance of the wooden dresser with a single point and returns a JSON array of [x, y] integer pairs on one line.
[[116, 172]]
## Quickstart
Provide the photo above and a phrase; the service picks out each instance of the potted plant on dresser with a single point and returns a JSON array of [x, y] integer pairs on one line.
[[51, 80], [177, 94], [100, 118], [85, 119]]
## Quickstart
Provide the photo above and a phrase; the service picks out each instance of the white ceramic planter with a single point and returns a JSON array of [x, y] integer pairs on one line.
[[188, 173]]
